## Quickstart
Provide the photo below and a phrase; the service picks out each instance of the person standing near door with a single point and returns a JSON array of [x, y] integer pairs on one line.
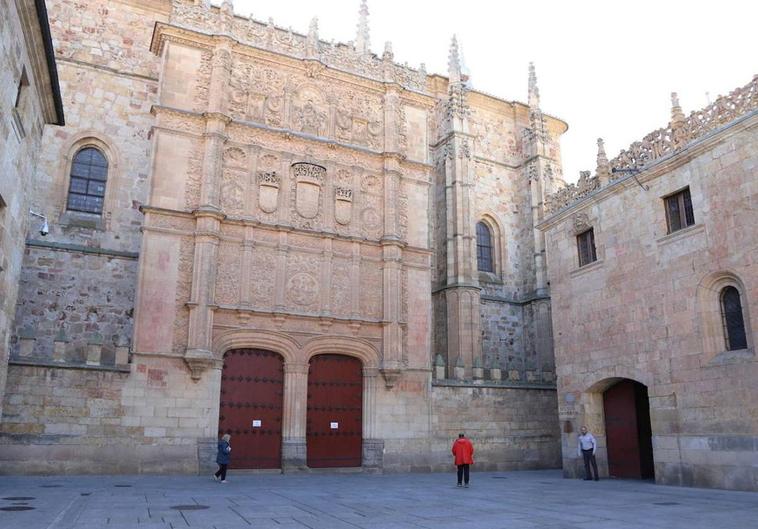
[[463, 451], [222, 457], [586, 448]]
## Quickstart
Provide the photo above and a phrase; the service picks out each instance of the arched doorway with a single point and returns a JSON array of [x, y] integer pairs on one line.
[[335, 411], [628, 432], [252, 392]]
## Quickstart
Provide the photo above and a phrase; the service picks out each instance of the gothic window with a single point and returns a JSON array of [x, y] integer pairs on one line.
[[679, 213], [484, 248], [89, 171], [585, 243], [732, 318]]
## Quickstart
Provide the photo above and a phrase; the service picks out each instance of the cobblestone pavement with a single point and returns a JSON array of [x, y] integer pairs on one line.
[[539, 499]]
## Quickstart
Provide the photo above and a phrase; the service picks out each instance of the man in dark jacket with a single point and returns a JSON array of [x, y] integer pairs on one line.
[[222, 457]]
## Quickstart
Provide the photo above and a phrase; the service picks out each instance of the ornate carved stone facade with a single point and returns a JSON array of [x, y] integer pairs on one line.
[[305, 198]]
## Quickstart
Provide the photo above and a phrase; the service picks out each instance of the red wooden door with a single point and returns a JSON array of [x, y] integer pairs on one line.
[[252, 391], [334, 432], [621, 431]]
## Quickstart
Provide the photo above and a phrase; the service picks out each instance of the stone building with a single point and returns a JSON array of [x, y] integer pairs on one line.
[[329, 255], [29, 99], [653, 264]]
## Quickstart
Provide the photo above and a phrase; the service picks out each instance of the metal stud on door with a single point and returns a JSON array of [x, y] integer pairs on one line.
[[252, 393], [335, 411]]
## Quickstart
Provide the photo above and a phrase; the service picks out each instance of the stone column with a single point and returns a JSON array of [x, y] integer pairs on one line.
[[373, 448], [294, 416]]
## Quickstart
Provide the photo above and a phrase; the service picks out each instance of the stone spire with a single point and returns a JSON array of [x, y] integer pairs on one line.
[[534, 91], [677, 116], [226, 16], [454, 63], [603, 170], [362, 41], [311, 45], [388, 55]]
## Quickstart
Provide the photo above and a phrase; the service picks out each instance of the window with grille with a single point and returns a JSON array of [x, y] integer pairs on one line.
[[679, 210], [734, 323], [586, 245], [484, 248], [86, 191]]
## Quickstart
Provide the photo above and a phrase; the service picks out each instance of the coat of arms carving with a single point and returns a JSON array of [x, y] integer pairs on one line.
[[343, 205], [268, 190], [309, 179]]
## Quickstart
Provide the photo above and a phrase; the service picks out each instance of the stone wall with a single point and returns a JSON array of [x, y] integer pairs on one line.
[[511, 428], [78, 281], [77, 296], [24, 111], [649, 309], [148, 417]]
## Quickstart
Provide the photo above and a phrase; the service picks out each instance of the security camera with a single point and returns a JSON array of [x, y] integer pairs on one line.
[[45, 229]]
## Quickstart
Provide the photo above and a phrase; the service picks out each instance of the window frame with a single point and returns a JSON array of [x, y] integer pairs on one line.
[[89, 181], [729, 337], [590, 246], [684, 216], [490, 248]]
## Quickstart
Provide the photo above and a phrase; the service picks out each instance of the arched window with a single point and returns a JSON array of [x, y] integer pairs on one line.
[[484, 248], [731, 316], [86, 190]]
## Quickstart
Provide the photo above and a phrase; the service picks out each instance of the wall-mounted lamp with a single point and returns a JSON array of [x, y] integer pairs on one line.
[[44, 229]]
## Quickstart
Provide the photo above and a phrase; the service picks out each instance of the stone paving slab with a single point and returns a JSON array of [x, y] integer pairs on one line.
[[502, 500]]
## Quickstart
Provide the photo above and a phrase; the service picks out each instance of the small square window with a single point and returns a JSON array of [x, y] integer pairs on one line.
[[585, 243], [679, 214]]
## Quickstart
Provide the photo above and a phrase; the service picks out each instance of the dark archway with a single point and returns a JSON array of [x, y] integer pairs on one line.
[[628, 431], [252, 394], [334, 432]]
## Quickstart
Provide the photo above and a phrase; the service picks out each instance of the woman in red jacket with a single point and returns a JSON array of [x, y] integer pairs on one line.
[[463, 451]]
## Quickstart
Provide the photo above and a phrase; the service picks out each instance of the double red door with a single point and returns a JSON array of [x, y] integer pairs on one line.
[[252, 392], [628, 432], [335, 411]]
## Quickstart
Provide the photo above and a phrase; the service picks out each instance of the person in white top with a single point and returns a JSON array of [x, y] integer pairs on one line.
[[586, 449]]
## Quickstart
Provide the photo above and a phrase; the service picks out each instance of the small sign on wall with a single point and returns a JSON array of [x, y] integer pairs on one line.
[[334, 425], [256, 423]]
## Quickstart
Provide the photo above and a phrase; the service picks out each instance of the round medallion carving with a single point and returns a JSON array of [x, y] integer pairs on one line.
[[302, 289]]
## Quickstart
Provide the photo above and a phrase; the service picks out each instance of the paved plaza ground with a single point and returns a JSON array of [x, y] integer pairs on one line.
[[539, 499]]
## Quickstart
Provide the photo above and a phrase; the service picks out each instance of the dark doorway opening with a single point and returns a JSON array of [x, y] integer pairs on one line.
[[628, 432], [334, 432], [252, 395]]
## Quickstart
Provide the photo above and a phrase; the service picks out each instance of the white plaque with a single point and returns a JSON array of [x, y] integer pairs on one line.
[[334, 425], [256, 423]]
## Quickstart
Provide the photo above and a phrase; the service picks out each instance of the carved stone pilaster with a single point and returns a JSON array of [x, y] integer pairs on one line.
[[294, 455], [198, 360]]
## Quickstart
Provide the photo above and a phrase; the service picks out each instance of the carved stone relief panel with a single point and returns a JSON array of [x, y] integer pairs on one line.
[[203, 82], [264, 274], [228, 268], [194, 176], [371, 289], [233, 192], [183, 293], [340, 295], [302, 287], [310, 112]]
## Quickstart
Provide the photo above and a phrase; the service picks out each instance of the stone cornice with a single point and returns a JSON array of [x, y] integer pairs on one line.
[[655, 169]]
